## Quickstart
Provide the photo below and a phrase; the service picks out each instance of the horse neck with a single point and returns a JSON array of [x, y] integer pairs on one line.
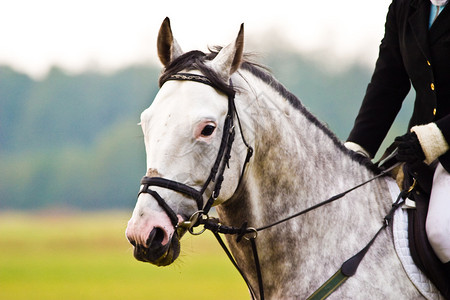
[[296, 164], [296, 156]]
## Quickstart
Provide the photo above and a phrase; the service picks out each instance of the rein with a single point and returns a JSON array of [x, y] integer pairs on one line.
[[347, 269], [201, 217]]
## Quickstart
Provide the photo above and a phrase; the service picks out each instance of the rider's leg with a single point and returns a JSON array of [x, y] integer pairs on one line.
[[438, 219]]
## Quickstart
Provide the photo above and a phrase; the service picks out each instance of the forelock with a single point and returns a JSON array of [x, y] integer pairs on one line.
[[195, 60]]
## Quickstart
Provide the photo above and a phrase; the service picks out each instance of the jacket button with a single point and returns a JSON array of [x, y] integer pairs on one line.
[[434, 111], [428, 63], [432, 86]]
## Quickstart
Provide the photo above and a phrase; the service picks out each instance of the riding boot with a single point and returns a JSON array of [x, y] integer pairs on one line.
[[447, 269], [446, 288]]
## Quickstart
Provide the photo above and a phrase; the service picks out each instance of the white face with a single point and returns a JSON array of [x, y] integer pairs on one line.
[[183, 130], [182, 134]]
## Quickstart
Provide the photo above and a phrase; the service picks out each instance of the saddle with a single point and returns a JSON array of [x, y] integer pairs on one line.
[[421, 250], [420, 175]]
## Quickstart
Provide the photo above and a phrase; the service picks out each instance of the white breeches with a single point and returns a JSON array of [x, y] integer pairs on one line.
[[438, 219]]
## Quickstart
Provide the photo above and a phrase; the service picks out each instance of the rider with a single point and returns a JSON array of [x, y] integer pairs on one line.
[[415, 49]]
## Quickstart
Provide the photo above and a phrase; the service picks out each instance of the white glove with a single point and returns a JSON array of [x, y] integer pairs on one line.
[[357, 148], [431, 140]]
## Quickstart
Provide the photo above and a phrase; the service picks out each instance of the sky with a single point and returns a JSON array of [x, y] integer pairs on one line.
[[107, 35]]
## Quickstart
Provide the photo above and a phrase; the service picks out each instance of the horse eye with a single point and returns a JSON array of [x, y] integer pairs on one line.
[[208, 130]]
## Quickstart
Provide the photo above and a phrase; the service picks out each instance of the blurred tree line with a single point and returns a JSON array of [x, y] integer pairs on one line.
[[72, 140]]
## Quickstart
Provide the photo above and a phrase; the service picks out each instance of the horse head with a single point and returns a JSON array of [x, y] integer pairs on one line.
[[184, 129]]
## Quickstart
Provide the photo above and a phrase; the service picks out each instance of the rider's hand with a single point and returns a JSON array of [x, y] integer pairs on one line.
[[409, 148]]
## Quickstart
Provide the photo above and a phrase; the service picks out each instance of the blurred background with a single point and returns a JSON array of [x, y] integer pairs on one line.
[[74, 78]]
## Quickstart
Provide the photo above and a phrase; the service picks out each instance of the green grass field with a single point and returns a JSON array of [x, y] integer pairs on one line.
[[86, 256]]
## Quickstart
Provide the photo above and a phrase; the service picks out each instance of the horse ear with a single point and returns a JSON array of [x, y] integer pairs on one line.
[[229, 59], [168, 48]]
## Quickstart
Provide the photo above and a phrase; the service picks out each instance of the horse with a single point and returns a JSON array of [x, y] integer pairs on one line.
[[296, 161]]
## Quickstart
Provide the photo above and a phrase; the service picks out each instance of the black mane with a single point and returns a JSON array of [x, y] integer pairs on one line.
[[195, 60]]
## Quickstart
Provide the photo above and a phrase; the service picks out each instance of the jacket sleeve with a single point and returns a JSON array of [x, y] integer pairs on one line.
[[385, 93], [444, 126]]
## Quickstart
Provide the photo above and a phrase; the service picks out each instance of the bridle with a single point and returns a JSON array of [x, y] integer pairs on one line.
[[216, 173], [201, 217]]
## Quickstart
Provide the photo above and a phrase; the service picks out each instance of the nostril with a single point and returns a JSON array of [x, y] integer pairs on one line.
[[156, 237], [159, 236]]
